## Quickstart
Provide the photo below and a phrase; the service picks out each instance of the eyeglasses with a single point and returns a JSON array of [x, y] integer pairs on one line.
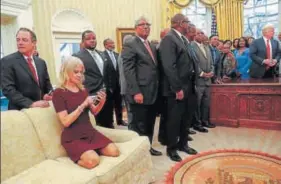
[[144, 24]]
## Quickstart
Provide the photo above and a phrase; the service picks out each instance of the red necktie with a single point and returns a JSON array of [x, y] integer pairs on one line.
[[267, 53], [146, 44], [267, 50], [32, 69]]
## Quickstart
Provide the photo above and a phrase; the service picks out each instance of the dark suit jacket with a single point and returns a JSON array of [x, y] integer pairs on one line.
[[177, 65], [94, 80], [113, 73], [141, 72], [18, 83], [258, 54]]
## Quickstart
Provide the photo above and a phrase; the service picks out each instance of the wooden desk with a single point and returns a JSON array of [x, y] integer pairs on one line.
[[252, 103]]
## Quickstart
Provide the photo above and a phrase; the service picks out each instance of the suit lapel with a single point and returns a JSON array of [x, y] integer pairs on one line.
[[90, 58], [178, 39], [141, 44], [25, 66]]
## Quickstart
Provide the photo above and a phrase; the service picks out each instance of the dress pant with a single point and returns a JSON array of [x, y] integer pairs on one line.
[[179, 118], [162, 106], [105, 117], [117, 104], [143, 120], [203, 104], [129, 111]]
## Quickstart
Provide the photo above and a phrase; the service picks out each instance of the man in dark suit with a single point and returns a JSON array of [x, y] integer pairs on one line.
[[25, 78], [161, 101], [205, 72], [265, 53], [216, 57], [96, 76], [111, 58], [179, 71], [141, 74]]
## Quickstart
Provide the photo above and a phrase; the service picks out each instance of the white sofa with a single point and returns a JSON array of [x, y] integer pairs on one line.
[[31, 153]]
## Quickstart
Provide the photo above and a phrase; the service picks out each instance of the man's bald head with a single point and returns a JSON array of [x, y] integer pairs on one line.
[[180, 23], [164, 32]]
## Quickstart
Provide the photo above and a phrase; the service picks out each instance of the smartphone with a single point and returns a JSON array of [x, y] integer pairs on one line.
[[50, 92], [96, 100]]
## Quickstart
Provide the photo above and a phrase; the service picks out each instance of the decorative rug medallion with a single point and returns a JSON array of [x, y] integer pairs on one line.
[[227, 167]]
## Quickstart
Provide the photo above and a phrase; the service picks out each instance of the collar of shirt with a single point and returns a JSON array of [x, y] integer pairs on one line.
[[91, 51], [265, 40], [109, 51], [141, 39], [199, 44], [178, 32], [25, 57]]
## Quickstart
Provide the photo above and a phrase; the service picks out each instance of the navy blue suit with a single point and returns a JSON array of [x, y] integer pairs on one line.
[[258, 54]]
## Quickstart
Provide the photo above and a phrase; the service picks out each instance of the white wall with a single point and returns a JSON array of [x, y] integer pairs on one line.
[[17, 13]]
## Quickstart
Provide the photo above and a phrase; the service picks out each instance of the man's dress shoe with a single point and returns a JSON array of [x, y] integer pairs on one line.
[[200, 129], [155, 152], [122, 123], [189, 138], [188, 150], [208, 125], [191, 132], [174, 155]]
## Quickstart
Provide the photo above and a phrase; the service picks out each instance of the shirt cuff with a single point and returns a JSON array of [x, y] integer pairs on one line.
[[201, 74]]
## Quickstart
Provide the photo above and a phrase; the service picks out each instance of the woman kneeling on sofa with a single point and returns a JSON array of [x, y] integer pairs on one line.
[[82, 142]]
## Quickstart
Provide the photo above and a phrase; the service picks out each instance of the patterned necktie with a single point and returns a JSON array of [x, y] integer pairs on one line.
[[32, 69], [184, 41], [98, 60], [146, 44], [112, 57]]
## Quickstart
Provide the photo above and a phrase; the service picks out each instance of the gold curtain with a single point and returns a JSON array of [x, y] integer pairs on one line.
[[229, 15], [170, 8]]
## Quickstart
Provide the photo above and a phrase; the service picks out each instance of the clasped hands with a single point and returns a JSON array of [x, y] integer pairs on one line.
[[270, 62], [208, 75]]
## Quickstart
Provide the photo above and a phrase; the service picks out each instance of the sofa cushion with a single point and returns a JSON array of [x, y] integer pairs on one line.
[[20, 145], [111, 168], [52, 172], [48, 128]]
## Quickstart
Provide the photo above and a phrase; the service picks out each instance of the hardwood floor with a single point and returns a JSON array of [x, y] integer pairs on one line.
[[267, 141]]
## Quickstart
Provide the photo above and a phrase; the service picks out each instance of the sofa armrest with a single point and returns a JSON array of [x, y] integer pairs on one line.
[[117, 135]]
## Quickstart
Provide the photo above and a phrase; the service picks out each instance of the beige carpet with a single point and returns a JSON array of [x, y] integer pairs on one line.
[[267, 141]]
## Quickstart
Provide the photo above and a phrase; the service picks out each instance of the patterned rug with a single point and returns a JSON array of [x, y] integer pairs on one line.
[[227, 167]]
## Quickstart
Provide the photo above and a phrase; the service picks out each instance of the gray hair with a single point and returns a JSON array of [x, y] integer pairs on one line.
[[127, 38], [140, 19]]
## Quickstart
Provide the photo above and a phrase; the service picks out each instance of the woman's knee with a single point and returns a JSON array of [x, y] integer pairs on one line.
[[112, 150], [89, 160]]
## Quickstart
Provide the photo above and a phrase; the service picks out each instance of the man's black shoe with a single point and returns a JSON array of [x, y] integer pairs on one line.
[[200, 129], [174, 155], [208, 125], [155, 152], [122, 123], [188, 150], [189, 138], [191, 132]]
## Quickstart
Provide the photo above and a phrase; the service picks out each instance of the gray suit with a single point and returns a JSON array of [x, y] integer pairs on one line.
[[205, 65]]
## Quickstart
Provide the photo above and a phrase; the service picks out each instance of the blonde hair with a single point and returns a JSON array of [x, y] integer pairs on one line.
[[266, 27], [68, 65]]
